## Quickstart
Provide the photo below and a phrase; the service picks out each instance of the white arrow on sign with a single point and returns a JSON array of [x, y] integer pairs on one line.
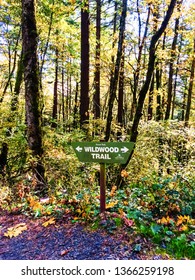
[[124, 149], [79, 149]]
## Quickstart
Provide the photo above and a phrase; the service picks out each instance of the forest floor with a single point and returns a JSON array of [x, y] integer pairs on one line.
[[64, 240]]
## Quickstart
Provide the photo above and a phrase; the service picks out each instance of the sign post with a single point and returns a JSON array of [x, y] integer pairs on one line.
[[102, 187], [103, 152]]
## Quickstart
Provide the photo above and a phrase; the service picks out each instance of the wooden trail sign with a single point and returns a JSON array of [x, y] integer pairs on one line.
[[103, 152]]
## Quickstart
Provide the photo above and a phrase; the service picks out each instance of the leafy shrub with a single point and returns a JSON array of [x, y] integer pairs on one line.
[[163, 148]]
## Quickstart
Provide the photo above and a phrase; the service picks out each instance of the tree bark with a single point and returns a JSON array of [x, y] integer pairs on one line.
[[97, 61], [55, 93], [114, 78], [31, 79], [190, 90], [75, 111], [120, 115], [46, 45], [19, 77], [151, 99], [3, 158], [84, 97], [171, 66], [141, 43]]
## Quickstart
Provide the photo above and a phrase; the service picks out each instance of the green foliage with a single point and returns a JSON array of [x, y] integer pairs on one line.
[[151, 203], [163, 148]]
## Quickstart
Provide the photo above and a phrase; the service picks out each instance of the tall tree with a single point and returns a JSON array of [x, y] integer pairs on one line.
[[84, 97], [115, 76], [171, 64], [46, 45], [190, 89], [120, 114], [31, 79], [55, 91], [11, 67], [19, 78], [150, 69], [114, 41], [151, 98], [97, 61], [141, 43], [158, 76]]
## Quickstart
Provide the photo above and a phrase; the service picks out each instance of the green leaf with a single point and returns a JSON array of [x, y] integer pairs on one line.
[[169, 233], [155, 228]]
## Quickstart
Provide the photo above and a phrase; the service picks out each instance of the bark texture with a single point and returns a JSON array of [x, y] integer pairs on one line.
[[84, 99], [31, 79]]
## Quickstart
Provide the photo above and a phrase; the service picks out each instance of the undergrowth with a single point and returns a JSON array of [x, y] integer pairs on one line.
[[157, 200]]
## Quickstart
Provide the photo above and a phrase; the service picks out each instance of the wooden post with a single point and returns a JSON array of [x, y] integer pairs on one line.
[[102, 187]]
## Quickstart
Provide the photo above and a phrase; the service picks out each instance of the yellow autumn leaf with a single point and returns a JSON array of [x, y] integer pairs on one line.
[[124, 173], [183, 228], [113, 190], [162, 221], [37, 206], [187, 218], [179, 220], [182, 219], [34, 204], [111, 204], [121, 212], [125, 202], [165, 221], [49, 222], [16, 230]]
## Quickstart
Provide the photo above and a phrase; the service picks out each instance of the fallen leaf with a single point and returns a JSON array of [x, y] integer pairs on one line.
[[16, 230], [183, 228], [49, 222], [111, 204], [113, 190], [128, 222], [64, 252]]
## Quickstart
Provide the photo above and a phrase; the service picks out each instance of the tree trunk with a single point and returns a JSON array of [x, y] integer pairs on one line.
[[158, 98], [11, 71], [150, 101], [175, 88], [55, 93], [171, 67], [3, 158], [104, 108], [19, 76], [97, 61], [63, 97], [145, 87], [141, 43], [46, 45], [190, 90], [114, 78], [75, 112], [84, 97], [120, 115], [31, 79]]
